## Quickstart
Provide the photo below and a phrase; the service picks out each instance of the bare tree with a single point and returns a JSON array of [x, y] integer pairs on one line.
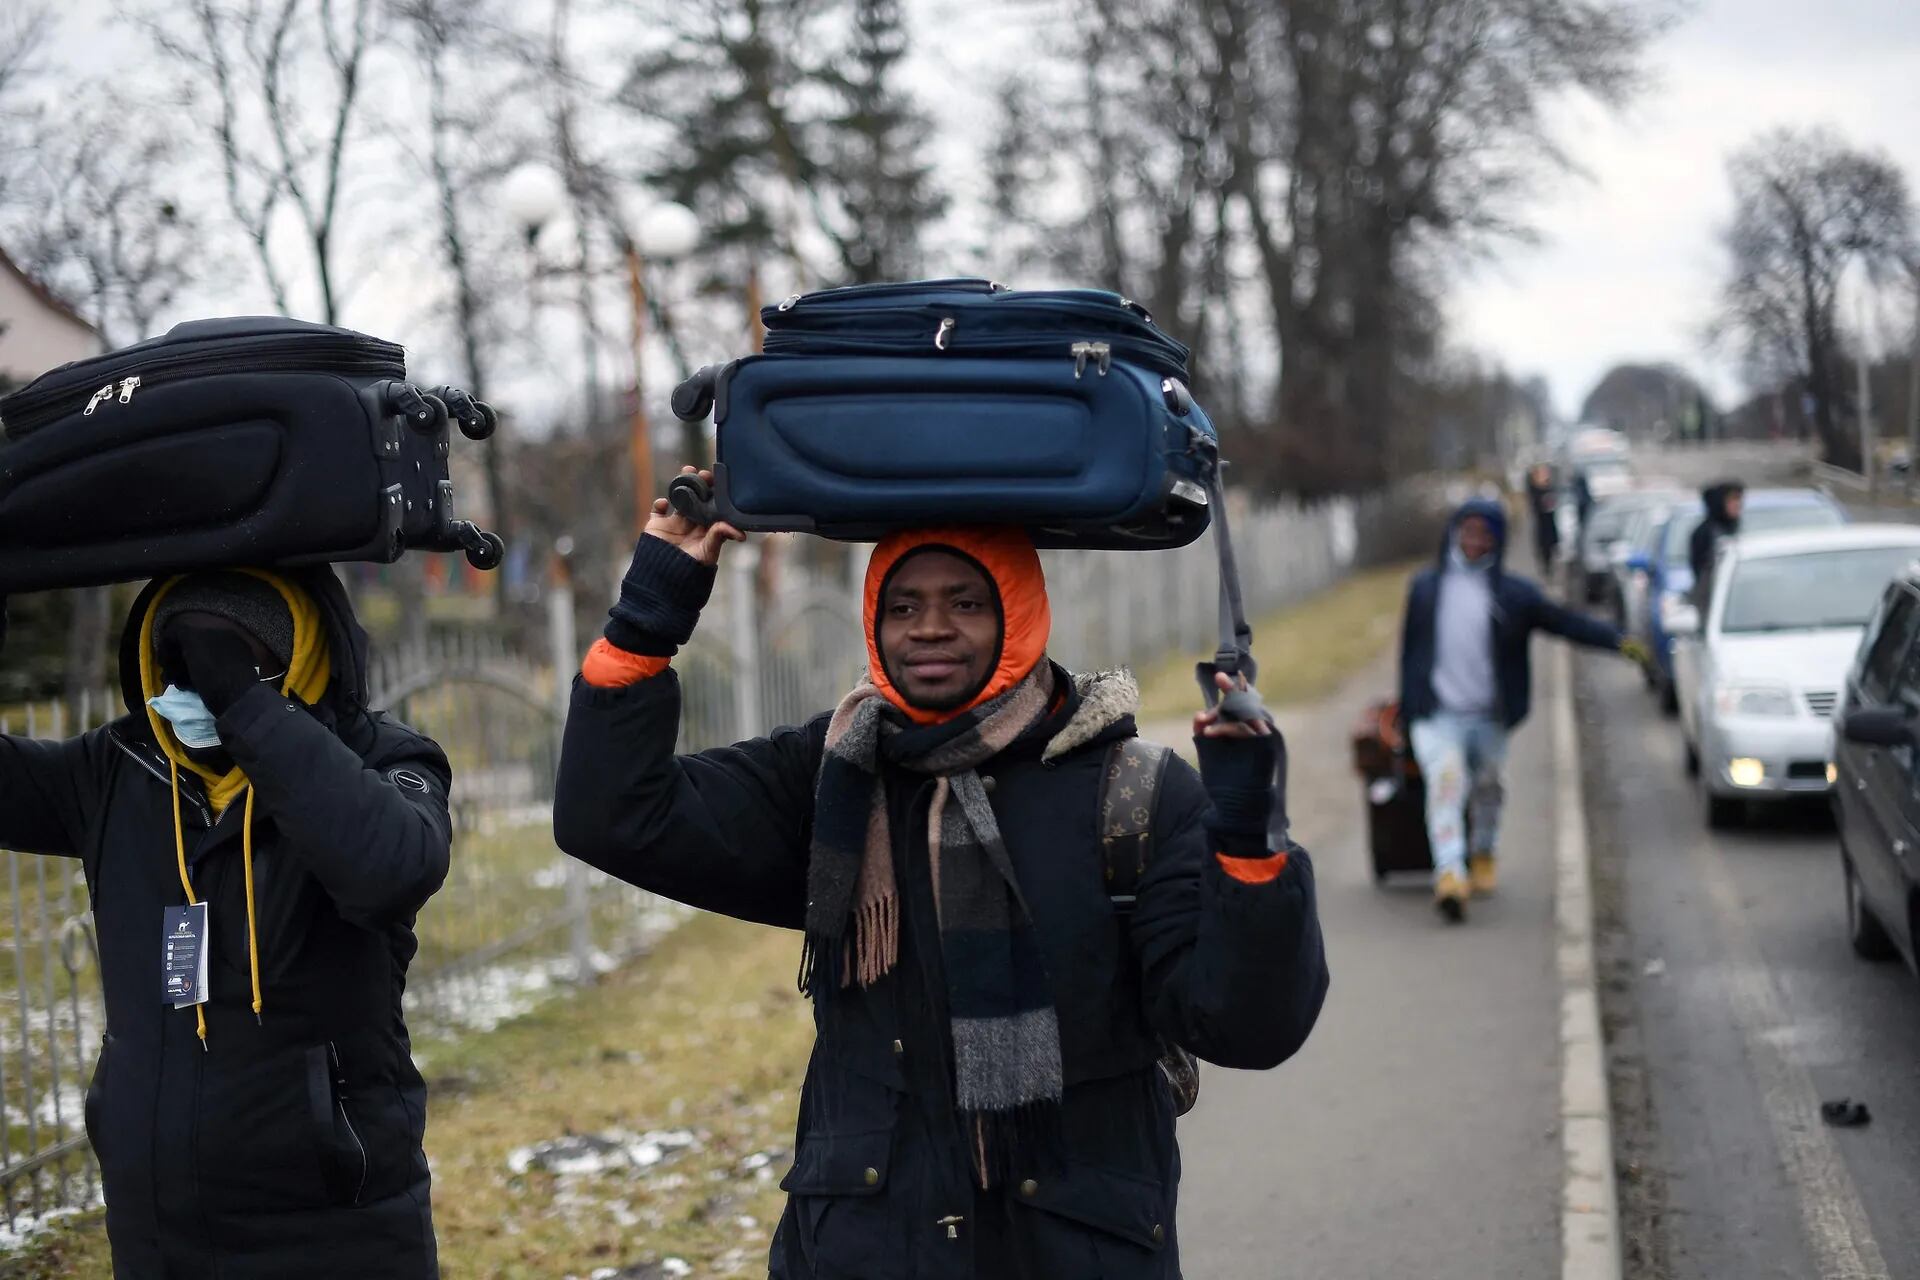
[[93, 217], [1807, 207], [280, 100], [98, 217], [25, 27], [1338, 158], [454, 46]]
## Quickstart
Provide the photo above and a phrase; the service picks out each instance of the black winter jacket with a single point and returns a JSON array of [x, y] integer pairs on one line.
[[880, 1188], [291, 1147]]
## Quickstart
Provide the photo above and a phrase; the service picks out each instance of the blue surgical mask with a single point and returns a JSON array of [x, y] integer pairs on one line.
[[192, 723]]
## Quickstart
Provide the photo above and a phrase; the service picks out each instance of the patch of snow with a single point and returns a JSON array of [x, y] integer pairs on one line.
[[590, 1154]]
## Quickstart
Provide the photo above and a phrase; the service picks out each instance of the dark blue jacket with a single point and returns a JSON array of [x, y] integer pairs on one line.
[[1519, 609]]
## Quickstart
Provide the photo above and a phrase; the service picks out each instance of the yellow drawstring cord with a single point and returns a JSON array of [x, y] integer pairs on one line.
[[308, 676], [180, 853], [253, 924], [253, 936]]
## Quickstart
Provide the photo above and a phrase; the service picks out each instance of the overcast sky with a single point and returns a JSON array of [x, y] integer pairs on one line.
[[1629, 256], [1631, 259]]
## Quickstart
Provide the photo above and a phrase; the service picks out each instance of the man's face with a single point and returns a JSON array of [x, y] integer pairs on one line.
[[1734, 501], [939, 630], [1476, 538]]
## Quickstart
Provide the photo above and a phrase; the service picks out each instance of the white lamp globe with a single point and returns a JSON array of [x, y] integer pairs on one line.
[[532, 195], [665, 230]]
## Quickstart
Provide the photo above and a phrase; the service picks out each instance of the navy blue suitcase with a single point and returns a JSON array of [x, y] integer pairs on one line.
[[229, 442], [877, 406]]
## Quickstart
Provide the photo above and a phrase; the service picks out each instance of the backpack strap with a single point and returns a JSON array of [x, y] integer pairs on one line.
[[1129, 800]]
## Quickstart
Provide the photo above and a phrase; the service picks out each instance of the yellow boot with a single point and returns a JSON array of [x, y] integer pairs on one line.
[[1481, 875], [1450, 897]]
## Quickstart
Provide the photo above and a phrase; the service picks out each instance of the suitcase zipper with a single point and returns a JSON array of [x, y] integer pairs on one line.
[[29, 409]]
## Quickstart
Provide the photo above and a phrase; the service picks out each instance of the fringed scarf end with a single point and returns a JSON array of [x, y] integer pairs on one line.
[[1011, 1144]]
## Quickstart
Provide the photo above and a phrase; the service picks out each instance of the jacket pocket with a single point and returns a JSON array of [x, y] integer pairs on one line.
[[1088, 1222], [847, 1223], [344, 1163], [254, 1148]]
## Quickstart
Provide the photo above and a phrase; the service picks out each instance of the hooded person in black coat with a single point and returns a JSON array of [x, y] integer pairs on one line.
[[983, 1100], [1724, 502], [273, 1131]]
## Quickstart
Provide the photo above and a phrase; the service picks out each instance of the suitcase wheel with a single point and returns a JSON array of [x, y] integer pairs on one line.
[[476, 418], [482, 424], [426, 414], [693, 399], [485, 550], [691, 497], [438, 423]]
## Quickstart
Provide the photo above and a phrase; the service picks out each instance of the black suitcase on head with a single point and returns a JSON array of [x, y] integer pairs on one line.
[[253, 441]]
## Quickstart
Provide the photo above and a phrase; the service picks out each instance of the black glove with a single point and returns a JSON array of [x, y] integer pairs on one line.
[[660, 600], [219, 662], [1246, 778]]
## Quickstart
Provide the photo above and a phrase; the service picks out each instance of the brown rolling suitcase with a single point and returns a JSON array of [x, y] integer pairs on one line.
[[1395, 794]]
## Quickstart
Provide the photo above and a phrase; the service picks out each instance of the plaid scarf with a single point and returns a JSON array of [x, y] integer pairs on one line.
[[1006, 1036]]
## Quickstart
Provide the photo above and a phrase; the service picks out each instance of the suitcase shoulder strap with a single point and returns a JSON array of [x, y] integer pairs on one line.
[[1129, 799]]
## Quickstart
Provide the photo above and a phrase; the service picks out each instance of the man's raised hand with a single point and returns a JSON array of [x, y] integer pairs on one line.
[[701, 541]]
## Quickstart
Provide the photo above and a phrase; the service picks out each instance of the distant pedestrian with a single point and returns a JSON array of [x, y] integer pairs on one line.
[[1583, 501], [1725, 502], [983, 1100], [1543, 501], [1466, 682], [256, 843]]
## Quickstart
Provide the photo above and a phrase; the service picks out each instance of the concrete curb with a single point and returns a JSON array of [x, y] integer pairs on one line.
[[1589, 1202]]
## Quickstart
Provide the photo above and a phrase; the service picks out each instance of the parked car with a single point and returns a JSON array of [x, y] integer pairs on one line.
[[1758, 684], [1591, 568], [1626, 573], [1669, 573], [1876, 793]]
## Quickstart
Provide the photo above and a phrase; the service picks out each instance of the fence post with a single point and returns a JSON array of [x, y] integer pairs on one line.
[[746, 649], [564, 646]]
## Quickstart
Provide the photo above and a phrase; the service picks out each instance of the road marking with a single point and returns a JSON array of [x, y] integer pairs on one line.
[[1837, 1229], [1589, 1198]]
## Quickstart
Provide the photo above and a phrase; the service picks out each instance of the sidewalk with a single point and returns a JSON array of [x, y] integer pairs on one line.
[[1416, 1134]]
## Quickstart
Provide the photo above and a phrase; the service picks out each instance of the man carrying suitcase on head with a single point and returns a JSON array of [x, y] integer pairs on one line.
[[1466, 683], [984, 1098], [256, 843]]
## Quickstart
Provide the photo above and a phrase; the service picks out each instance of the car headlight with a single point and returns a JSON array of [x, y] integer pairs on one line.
[[1677, 614], [1753, 700]]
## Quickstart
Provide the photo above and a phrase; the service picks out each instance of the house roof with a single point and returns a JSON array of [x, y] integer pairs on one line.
[[47, 297]]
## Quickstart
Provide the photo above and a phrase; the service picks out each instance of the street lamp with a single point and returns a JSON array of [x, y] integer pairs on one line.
[[662, 231], [533, 195], [536, 197]]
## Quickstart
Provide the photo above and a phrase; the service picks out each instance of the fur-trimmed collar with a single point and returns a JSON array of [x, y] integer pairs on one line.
[[1106, 698]]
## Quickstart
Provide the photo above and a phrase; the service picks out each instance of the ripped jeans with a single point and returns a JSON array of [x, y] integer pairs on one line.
[[1461, 756]]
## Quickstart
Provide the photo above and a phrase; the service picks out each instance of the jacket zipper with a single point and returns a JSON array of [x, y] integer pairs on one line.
[[34, 407], [199, 806], [340, 1101]]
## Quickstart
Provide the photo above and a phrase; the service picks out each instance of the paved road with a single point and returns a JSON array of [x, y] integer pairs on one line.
[[1735, 1007], [1415, 1136]]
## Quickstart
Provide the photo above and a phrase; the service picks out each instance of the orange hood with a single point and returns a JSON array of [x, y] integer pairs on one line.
[[1011, 565]]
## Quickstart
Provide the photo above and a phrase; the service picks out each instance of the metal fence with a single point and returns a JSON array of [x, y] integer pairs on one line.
[[517, 920]]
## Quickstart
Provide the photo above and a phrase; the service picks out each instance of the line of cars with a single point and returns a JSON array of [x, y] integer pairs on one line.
[[1794, 672]]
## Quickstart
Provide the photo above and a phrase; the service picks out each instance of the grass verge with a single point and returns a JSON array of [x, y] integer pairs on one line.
[[1305, 650], [706, 1035]]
